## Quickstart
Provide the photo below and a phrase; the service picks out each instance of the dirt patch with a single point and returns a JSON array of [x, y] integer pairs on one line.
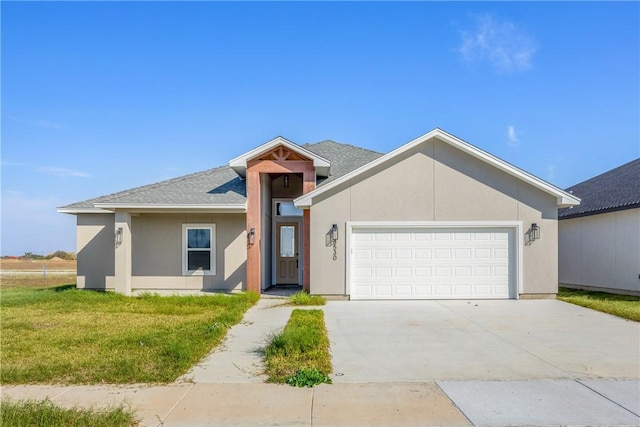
[[50, 264]]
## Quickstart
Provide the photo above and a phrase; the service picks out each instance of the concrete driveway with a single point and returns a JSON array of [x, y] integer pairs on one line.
[[391, 341]]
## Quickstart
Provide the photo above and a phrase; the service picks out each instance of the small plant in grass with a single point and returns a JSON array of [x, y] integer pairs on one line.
[[301, 348], [304, 298], [308, 378], [45, 414]]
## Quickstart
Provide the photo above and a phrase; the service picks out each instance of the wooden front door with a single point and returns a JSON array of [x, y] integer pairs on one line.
[[287, 253]]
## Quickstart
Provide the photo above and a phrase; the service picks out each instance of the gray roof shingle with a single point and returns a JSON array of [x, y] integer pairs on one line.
[[222, 186], [615, 190], [344, 158]]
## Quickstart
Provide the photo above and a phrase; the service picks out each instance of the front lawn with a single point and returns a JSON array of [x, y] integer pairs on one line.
[[625, 306], [300, 353], [45, 414], [65, 335]]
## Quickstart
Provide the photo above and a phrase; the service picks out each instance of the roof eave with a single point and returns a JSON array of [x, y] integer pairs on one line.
[[566, 200], [152, 207], [76, 211]]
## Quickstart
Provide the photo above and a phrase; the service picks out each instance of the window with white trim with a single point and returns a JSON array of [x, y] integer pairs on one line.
[[198, 249]]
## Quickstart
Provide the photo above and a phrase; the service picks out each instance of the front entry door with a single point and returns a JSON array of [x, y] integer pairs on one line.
[[287, 253]]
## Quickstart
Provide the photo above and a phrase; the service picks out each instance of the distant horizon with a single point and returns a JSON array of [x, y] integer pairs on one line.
[[101, 97]]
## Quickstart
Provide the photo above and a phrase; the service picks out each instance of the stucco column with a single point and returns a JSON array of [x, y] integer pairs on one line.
[[123, 253], [253, 222], [308, 184]]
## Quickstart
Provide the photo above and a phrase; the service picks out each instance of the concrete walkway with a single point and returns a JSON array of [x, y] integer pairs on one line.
[[239, 358], [227, 387]]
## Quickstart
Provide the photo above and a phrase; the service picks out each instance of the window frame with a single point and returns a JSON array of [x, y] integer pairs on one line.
[[185, 250]]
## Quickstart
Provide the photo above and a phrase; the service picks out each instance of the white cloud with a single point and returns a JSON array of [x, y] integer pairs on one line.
[[505, 46], [63, 172], [513, 137], [46, 124], [551, 172]]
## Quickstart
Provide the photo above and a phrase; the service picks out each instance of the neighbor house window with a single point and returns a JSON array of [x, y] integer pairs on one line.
[[198, 247]]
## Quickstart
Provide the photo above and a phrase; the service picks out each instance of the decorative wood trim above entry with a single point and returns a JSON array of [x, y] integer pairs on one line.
[[280, 154]]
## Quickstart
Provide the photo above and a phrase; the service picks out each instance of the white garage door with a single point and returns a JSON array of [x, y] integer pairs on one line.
[[428, 263]]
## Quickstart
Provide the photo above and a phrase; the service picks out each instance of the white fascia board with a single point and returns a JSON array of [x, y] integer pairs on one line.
[[565, 202], [241, 208], [75, 211], [239, 164], [565, 198]]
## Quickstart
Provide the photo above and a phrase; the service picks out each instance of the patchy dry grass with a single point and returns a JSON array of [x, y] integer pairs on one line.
[[36, 281], [302, 346], [304, 298], [65, 335], [625, 306], [45, 414]]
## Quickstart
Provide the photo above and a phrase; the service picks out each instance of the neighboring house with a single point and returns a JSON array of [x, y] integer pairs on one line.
[[600, 239], [437, 218]]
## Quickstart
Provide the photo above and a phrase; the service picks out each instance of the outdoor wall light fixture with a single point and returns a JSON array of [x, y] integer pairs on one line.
[[535, 232], [252, 236], [334, 232], [333, 237], [286, 181], [118, 237]]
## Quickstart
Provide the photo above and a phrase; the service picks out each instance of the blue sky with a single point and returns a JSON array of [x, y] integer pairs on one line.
[[101, 97]]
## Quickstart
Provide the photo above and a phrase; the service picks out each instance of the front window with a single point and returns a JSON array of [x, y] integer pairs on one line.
[[199, 248]]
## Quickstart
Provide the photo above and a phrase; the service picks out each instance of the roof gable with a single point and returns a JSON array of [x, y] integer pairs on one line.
[[563, 198], [239, 164], [615, 190]]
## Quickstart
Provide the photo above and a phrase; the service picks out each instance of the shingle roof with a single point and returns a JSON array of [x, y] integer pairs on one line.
[[615, 190], [344, 158], [218, 186], [222, 186]]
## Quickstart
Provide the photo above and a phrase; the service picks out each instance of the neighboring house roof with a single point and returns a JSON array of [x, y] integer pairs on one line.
[[563, 198], [219, 188], [615, 190]]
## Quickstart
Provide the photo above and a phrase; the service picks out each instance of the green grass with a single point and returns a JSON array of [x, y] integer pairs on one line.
[[303, 298], [303, 345], [625, 306], [46, 414], [70, 336]]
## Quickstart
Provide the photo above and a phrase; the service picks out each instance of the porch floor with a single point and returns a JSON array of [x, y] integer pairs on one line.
[[281, 290]]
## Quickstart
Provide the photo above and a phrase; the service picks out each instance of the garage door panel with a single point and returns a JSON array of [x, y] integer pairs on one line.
[[431, 264]]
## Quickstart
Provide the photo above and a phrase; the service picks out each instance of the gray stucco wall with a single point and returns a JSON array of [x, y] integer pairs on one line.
[[157, 252], [435, 182], [601, 251], [95, 249]]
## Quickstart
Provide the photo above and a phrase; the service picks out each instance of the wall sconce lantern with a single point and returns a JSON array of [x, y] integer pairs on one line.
[[286, 181], [118, 237], [333, 237], [535, 232], [251, 236]]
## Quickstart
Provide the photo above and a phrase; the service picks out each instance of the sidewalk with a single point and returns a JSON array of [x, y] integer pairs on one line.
[[450, 403]]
